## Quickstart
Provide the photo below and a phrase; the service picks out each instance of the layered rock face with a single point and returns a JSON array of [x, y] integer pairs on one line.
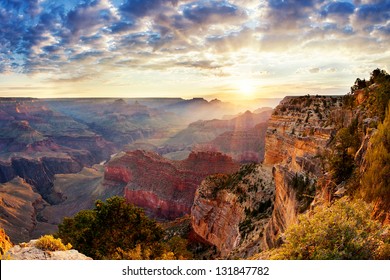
[[37, 143], [164, 188], [297, 135], [18, 207], [230, 211]]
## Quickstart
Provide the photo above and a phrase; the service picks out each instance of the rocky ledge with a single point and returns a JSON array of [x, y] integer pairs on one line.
[[28, 251]]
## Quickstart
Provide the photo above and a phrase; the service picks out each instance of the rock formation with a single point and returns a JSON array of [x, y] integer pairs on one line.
[[37, 143], [230, 211], [28, 251], [298, 133], [18, 207], [164, 188]]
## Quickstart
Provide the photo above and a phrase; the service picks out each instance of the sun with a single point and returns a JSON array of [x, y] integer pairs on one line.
[[245, 88]]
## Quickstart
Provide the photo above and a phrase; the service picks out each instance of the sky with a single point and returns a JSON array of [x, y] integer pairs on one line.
[[227, 49]]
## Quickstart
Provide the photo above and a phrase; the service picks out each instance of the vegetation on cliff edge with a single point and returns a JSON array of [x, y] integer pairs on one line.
[[49, 243], [376, 178], [117, 230], [344, 230]]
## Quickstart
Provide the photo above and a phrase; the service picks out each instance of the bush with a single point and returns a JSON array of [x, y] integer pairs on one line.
[[345, 145], [305, 189], [376, 179], [344, 230], [49, 243], [5, 243], [113, 230]]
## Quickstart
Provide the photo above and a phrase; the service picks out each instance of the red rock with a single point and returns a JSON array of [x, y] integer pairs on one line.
[[165, 188]]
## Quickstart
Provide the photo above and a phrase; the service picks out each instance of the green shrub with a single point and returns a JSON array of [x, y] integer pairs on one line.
[[344, 230], [305, 190], [5, 243], [376, 179], [345, 145], [111, 225], [49, 243]]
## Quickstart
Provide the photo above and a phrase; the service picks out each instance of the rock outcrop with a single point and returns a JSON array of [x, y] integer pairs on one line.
[[164, 188], [28, 251], [230, 211], [298, 133]]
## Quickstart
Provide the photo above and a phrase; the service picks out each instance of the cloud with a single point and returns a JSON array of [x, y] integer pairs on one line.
[[30, 7], [88, 18], [375, 12], [314, 70], [141, 8], [208, 12], [84, 55], [202, 64], [73, 78], [290, 14], [121, 27], [64, 37], [338, 8], [231, 41]]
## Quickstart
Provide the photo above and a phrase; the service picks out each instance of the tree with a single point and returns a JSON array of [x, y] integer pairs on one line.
[[360, 84], [344, 230], [346, 144], [378, 76], [111, 227], [376, 179]]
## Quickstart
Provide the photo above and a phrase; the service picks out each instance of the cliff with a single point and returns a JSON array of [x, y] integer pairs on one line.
[[18, 207], [298, 133], [230, 211], [164, 188]]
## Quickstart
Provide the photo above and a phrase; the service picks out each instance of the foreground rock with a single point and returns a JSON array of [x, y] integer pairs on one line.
[[28, 251]]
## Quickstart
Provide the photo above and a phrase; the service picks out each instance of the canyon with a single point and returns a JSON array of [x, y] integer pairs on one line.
[[59, 156], [235, 183]]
